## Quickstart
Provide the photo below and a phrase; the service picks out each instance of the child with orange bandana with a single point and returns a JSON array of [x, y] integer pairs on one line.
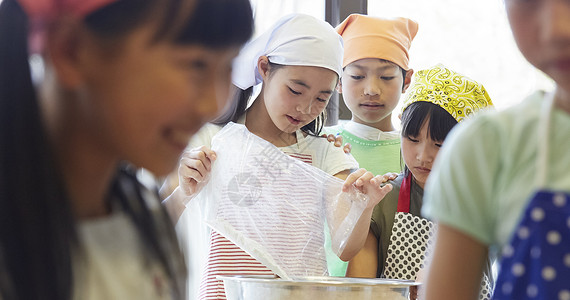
[[376, 73]]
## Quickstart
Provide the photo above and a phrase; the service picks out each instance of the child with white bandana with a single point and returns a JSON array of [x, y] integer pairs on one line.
[[298, 64]]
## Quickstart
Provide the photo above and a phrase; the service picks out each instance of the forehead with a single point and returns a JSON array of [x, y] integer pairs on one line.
[[372, 64], [309, 74]]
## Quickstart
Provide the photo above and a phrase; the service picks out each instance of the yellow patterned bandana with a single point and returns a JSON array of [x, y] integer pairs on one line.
[[458, 95]]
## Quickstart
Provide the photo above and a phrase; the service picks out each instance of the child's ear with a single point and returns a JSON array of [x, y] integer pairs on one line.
[[263, 66], [407, 80], [339, 86], [67, 49]]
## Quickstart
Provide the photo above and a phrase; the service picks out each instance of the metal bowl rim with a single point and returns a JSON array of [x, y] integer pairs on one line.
[[330, 281]]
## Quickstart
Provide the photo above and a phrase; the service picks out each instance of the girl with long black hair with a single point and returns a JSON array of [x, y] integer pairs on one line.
[[89, 91]]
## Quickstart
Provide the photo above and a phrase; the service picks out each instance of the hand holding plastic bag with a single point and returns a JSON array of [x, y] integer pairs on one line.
[[194, 170], [369, 185], [274, 206], [349, 219]]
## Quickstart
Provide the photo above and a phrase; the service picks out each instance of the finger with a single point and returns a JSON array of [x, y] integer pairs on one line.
[[380, 180], [203, 158], [330, 138], [186, 180], [327, 136], [365, 178], [384, 178], [187, 174], [194, 164], [338, 141], [378, 193], [351, 178], [210, 154], [347, 148]]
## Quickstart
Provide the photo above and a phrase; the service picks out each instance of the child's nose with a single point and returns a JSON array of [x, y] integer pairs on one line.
[[211, 100], [424, 154], [372, 87], [305, 107], [214, 95], [555, 18]]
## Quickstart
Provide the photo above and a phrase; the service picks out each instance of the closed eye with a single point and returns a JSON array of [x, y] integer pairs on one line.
[[411, 139], [294, 92], [356, 77], [388, 77]]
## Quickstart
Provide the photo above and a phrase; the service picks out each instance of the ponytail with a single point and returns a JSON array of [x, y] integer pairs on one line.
[[36, 224], [237, 106]]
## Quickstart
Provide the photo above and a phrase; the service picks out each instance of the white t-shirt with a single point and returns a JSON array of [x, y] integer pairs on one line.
[[486, 171], [313, 150], [113, 265], [324, 155]]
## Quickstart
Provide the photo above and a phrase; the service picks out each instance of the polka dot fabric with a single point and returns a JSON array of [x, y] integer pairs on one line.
[[536, 264], [410, 243]]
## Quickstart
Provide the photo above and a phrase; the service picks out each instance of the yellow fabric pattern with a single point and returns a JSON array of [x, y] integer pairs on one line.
[[459, 95]]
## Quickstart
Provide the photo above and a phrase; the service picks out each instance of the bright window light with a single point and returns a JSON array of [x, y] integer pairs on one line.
[[266, 12], [471, 37]]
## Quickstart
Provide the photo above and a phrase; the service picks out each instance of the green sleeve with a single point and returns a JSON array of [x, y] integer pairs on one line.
[[461, 187]]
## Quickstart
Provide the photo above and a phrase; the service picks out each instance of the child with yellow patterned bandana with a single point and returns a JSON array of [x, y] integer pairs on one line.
[[438, 99], [375, 74]]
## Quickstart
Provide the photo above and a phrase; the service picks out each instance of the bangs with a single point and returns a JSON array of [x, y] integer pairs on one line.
[[215, 23], [211, 23], [415, 115]]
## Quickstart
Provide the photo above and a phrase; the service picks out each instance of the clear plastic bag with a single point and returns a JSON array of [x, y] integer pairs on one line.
[[274, 206]]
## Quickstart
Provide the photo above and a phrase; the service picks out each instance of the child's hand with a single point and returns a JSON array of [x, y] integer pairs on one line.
[[337, 139], [194, 170], [368, 184], [390, 176]]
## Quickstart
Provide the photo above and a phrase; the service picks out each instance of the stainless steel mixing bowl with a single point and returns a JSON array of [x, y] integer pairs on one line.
[[314, 288]]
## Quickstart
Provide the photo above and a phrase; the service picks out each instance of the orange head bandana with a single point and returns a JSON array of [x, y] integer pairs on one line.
[[373, 37]]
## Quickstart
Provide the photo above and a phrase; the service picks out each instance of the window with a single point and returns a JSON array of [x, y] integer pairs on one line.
[[471, 37], [266, 12]]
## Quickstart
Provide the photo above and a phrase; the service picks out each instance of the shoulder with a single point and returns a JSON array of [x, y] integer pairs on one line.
[[491, 129], [204, 136], [517, 117], [328, 157], [333, 129], [477, 158]]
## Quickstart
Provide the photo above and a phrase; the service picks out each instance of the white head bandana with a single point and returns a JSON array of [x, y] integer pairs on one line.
[[294, 40]]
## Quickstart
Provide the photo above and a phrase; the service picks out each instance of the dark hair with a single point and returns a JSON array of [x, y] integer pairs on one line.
[[38, 231], [416, 114], [238, 106]]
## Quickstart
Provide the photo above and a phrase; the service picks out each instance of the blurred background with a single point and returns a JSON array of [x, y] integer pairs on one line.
[[470, 37]]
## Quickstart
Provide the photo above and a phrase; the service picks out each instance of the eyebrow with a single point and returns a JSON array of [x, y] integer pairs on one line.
[[302, 83]]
